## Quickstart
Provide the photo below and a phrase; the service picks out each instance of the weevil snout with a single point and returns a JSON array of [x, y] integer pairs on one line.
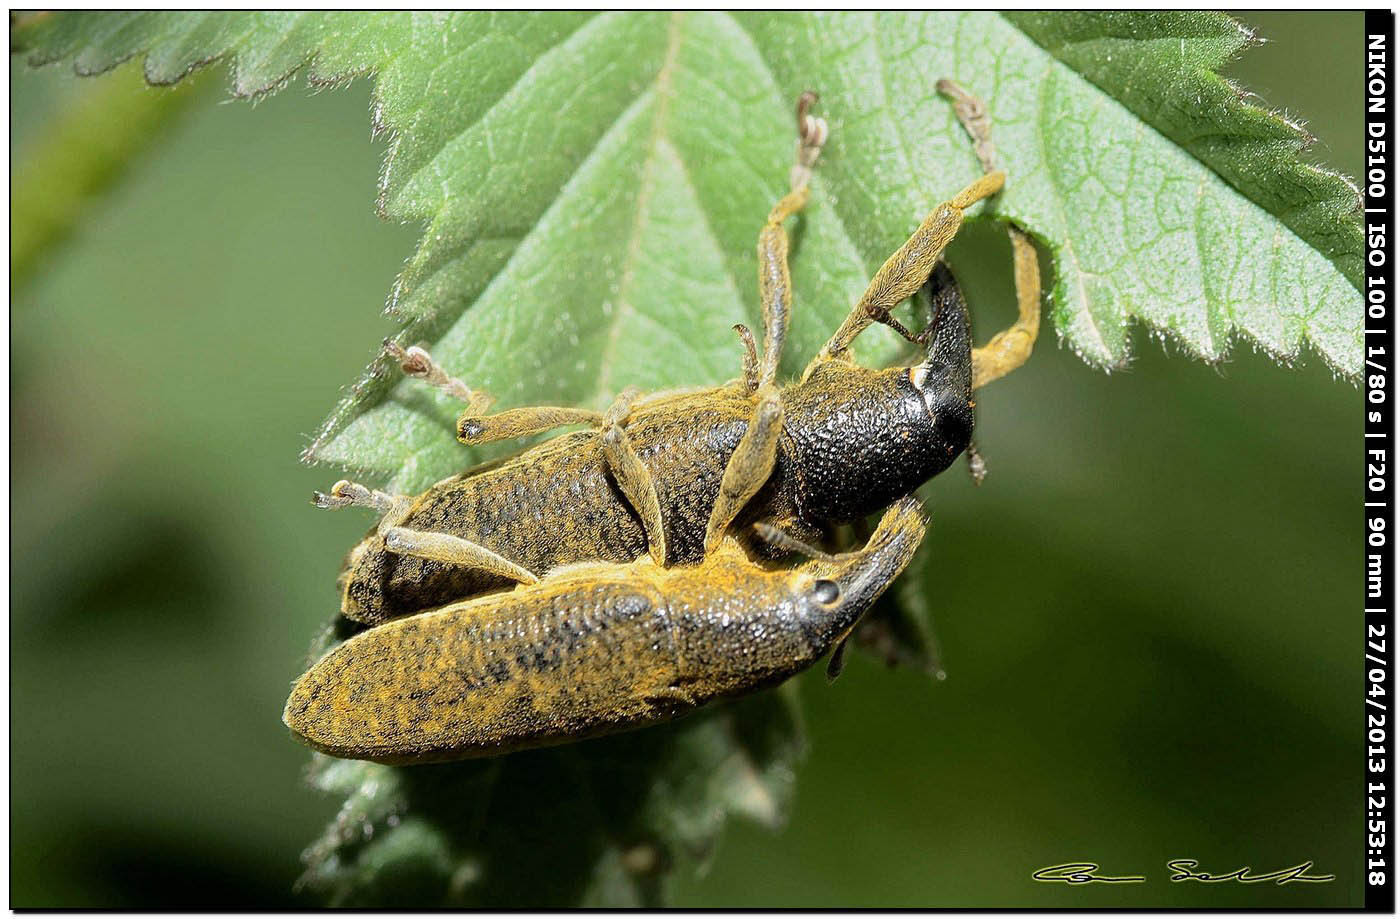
[[946, 371], [944, 378], [844, 588]]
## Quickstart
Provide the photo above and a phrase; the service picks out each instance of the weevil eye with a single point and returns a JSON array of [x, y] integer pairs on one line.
[[826, 592]]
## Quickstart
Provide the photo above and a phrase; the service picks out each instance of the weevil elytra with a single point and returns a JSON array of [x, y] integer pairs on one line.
[[594, 649], [667, 475]]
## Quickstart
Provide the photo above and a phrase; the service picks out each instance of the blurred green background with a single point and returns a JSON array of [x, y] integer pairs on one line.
[[1150, 612]]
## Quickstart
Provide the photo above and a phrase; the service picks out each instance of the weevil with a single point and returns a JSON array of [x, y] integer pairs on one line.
[[594, 649], [667, 475]]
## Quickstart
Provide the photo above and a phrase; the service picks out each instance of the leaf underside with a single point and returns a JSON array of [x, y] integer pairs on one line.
[[595, 197], [591, 186]]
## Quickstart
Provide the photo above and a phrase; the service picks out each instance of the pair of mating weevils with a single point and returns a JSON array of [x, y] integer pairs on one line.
[[620, 576]]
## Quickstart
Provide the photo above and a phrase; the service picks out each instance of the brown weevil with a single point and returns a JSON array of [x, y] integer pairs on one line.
[[594, 649], [667, 475]]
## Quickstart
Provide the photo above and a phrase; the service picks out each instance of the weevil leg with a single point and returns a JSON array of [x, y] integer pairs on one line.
[[392, 508], [905, 271], [352, 494], [403, 541], [632, 476], [774, 279], [620, 409], [520, 422], [345, 493], [750, 465], [443, 547], [750, 357], [972, 114], [779, 539], [775, 283], [416, 362], [1011, 347], [474, 428]]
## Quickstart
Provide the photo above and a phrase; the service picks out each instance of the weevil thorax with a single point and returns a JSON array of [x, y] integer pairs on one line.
[[857, 439]]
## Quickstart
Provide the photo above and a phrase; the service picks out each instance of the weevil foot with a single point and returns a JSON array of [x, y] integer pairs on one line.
[[976, 466], [972, 113], [812, 133], [417, 362], [352, 494], [644, 859]]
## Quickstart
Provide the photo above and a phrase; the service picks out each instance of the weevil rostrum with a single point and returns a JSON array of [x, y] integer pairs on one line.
[[666, 474], [593, 649], [598, 581]]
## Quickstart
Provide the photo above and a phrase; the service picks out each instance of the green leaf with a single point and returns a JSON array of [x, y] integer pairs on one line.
[[1161, 66], [591, 186], [596, 191]]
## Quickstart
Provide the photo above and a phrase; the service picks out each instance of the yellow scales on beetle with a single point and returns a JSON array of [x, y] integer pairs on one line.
[[615, 577]]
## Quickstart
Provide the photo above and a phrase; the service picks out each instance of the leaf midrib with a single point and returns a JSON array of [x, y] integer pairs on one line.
[[661, 88]]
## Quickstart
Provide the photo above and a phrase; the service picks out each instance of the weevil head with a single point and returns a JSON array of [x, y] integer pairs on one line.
[[838, 591], [858, 439]]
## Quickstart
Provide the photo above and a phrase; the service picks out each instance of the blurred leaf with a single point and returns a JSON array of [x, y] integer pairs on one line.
[[80, 153], [591, 187]]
